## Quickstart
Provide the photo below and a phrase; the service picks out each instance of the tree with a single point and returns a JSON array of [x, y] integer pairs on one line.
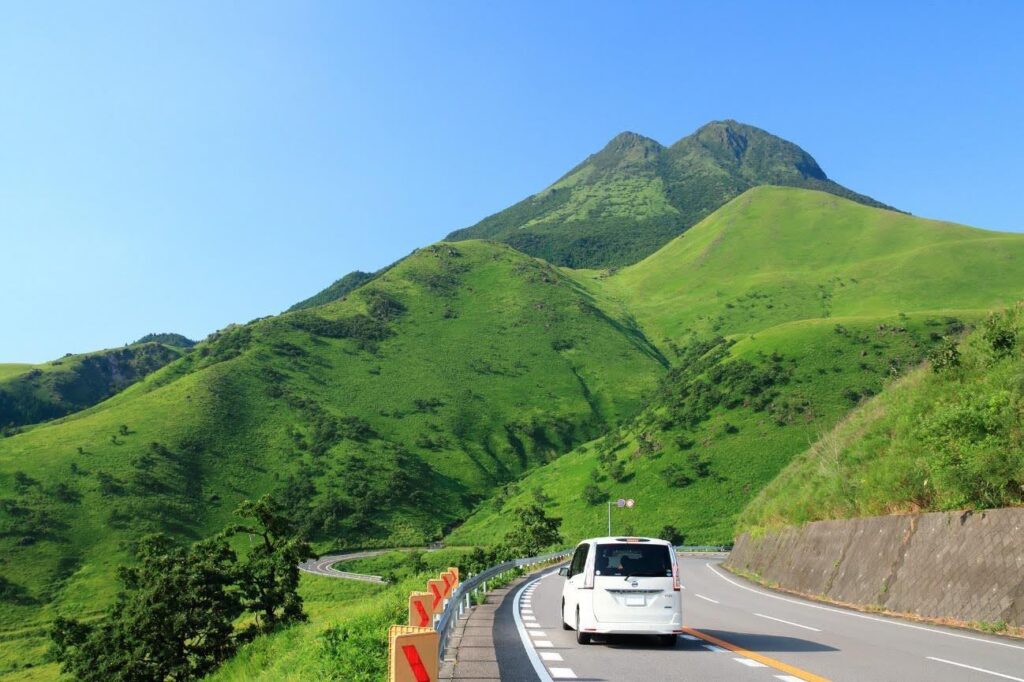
[[173, 618], [593, 495], [534, 532], [270, 573]]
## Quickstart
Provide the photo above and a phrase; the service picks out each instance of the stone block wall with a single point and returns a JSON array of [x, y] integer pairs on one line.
[[968, 566]]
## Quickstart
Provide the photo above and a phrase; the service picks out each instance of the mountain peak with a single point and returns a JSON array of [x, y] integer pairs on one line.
[[754, 152], [627, 200]]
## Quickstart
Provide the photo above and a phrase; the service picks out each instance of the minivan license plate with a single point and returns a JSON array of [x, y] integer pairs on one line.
[[634, 600]]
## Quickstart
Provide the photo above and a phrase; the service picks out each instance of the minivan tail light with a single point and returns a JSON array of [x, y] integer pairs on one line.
[[588, 571], [675, 576]]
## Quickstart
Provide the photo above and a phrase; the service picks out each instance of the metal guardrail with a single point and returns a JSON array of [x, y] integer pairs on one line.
[[459, 601], [681, 549]]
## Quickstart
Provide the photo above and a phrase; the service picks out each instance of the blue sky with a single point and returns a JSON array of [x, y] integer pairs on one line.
[[179, 166]]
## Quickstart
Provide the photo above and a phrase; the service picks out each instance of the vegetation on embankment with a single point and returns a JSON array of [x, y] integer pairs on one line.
[[950, 435]]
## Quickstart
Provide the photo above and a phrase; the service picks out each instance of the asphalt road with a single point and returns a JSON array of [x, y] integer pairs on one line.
[[325, 566], [740, 632]]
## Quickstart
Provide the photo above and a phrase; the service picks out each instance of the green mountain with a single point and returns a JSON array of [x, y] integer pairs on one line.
[[35, 393], [451, 385], [632, 197], [780, 312], [379, 419], [336, 291], [168, 339], [946, 436]]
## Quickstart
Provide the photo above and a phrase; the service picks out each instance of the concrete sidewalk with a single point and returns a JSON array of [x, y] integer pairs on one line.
[[471, 652]]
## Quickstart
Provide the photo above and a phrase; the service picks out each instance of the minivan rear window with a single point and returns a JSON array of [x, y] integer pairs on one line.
[[633, 560]]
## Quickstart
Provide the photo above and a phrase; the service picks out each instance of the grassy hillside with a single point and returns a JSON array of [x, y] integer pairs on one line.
[[781, 312], [338, 290], [380, 419], [633, 196], [35, 393], [946, 436]]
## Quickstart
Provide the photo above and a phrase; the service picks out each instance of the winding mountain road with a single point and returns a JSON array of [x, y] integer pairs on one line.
[[325, 566], [738, 631]]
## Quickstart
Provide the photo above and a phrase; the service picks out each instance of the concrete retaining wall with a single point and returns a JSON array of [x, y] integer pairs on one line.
[[961, 565]]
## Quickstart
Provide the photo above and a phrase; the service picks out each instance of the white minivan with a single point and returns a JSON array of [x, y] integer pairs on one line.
[[624, 586]]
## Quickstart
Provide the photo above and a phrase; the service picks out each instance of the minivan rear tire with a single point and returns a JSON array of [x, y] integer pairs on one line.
[[581, 637]]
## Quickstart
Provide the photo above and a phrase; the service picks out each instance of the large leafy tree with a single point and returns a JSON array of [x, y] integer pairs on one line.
[[269, 576], [173, 619], [534, 532]]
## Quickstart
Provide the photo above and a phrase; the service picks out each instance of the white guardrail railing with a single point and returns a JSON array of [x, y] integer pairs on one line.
[[461, 596]]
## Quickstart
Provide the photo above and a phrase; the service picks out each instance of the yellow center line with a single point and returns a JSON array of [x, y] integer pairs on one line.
[[760, 658]]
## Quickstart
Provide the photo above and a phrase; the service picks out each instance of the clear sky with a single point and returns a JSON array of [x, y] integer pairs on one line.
[[178, 166]]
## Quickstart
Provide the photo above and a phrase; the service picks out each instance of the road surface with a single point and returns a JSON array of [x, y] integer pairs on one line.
[[740, 632], [325, 566]]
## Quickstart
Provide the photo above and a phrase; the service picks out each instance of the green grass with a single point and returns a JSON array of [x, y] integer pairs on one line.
[[849, 297], [13, 369], [935, 440], [497, 364]]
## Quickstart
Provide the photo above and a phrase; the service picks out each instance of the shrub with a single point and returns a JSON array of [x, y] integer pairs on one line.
[[593, 495]]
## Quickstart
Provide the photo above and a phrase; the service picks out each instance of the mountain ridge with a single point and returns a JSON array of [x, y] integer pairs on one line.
[[627, 200]]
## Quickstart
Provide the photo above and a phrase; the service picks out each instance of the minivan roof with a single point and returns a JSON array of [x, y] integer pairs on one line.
[[624, 538]]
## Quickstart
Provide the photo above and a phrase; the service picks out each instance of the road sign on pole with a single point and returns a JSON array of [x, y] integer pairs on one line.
[[629, 503], [620, 503], [454, 570], [412, 654]]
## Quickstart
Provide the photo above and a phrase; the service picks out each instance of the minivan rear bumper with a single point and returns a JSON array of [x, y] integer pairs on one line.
[[635, 629]]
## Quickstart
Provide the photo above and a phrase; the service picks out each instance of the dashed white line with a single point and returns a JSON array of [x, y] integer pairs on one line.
[[550, 656], [542, 643], [706, 598], [716, 649], [788, 622], [788, 678], [750, 663], [562, 673], [691, 638], [531, 652], [980, 670], [854, 614], [532, 625], [536, 633]]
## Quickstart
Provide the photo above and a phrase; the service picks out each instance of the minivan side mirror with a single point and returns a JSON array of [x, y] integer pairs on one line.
[[563, 571]]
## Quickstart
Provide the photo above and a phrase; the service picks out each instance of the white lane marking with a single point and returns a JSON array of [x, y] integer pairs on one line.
[[980, 670], [536, 633], [706, 598], [855, 614], [691, 638], [750, 663], [551, 656], [788, 678], [716, 649], [529, 619], [531, 653], [563, 673], [542, 643], [788, 622], [532, 625]]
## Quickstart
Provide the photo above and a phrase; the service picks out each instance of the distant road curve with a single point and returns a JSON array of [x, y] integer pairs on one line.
[[324, 566]]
